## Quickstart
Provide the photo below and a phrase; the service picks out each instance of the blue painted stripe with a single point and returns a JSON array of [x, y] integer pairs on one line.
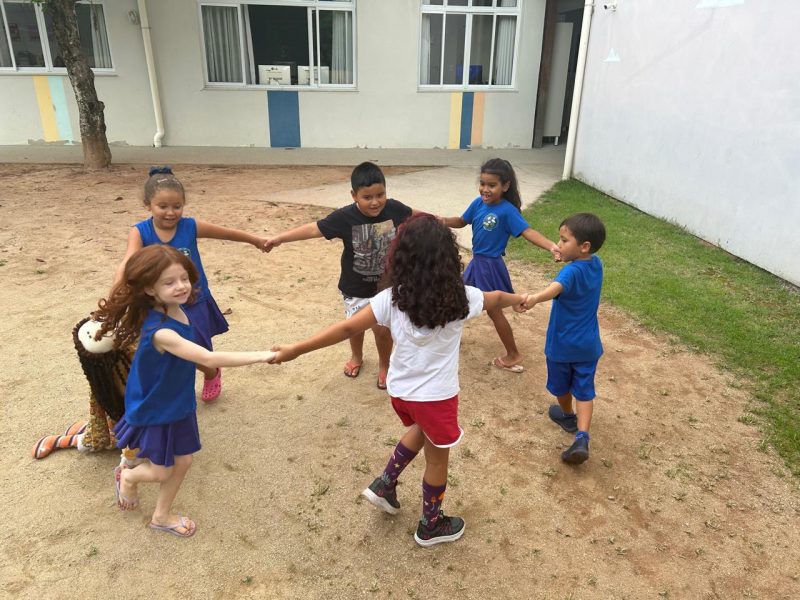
[[59, 99], [467, 100], [284, 119]]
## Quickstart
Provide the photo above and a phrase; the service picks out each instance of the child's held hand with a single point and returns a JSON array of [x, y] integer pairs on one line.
[[556, 253], [281, 354], [262, 244], [526, 303], [270, 244]]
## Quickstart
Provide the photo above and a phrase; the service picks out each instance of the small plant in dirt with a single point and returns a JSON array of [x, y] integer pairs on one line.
[[362, 467]]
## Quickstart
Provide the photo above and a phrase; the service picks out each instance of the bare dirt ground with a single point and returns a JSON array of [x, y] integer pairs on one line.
[[678, 499]]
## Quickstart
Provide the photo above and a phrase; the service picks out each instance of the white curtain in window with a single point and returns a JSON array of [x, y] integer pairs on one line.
[[221, 31], [342, 50], [425, 51], [504, 46], [102, 53]]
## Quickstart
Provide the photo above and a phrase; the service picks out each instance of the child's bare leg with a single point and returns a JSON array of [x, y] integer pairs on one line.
[[584, 408], [436, 461], [506, 334], [413, 438], [353, 366], [162, 515], [383, 342], [565, 402], [208, 372]]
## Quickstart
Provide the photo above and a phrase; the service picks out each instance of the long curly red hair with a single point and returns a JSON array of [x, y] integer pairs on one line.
[[124, 311], [424, 271]]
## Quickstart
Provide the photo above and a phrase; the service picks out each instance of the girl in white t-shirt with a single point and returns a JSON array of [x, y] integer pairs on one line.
[[424, 307]]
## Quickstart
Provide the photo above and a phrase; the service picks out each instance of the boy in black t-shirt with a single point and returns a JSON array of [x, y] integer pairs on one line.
[[366, 227]]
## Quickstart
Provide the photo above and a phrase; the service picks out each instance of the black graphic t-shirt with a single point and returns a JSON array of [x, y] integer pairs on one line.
[[366, 244]]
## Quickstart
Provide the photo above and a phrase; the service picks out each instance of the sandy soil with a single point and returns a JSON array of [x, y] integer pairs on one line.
[[678, 500]]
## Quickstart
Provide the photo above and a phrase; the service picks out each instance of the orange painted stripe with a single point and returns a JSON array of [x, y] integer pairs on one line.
[[478, 103]]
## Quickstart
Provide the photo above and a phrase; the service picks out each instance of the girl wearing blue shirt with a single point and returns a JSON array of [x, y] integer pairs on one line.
[[148, 305], [495, 215], [165, 198]]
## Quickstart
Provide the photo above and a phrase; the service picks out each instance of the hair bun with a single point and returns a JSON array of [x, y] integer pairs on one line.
[[166, 170]]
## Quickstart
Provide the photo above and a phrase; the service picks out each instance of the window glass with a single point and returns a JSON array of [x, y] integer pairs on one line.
[[504, 50], [5, 50], [455, 26], [24, 33], [92, 33], [481, 2], [221, 35], [279, 37], [480, 54], [335, 48], [431, 51]]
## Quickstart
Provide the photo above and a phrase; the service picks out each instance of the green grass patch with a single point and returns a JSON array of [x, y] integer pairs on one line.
[[717, 304]]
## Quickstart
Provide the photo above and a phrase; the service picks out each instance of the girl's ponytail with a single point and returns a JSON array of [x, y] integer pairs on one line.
[[503, 169]]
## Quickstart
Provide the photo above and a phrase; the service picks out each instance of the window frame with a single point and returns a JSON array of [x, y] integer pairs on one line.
[[48, 58], [246, 45], [469, 11]]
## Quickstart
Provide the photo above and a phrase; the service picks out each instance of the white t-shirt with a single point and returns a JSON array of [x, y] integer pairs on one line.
[[424, 362]]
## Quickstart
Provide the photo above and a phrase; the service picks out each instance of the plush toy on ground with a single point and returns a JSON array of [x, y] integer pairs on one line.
[[106, 370]]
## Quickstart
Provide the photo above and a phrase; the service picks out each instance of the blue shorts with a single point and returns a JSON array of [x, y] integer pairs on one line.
[[576, 378]]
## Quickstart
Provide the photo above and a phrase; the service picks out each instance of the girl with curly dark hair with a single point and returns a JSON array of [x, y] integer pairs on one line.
[[424, 306], [160, 420]]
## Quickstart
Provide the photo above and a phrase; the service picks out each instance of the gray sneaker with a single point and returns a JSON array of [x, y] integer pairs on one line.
[[577, 453], [379, 494], [567, 422], [446, 529]]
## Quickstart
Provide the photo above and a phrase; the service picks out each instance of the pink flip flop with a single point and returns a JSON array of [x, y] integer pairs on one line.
[[212, 387], [381, 380], [173, 529]]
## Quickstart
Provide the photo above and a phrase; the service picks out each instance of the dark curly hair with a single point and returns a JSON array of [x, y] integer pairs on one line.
[[424, 271], [126, 307]]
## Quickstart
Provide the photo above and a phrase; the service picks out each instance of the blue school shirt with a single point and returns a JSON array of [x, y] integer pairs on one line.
[[160, 386], [492, 224], [184, 240], [573, 334]]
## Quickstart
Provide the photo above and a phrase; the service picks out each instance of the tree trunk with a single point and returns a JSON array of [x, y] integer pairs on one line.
[[96, 153]]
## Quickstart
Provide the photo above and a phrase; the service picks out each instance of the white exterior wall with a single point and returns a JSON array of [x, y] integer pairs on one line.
[[125, 93], [699, 120], [385, 110]]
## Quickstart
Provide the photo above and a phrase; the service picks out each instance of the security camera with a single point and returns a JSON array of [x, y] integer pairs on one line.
[[610, 5]]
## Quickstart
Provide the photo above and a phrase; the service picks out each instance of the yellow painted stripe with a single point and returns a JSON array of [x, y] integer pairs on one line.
[[46, 110], [477, 119], [454, 137]]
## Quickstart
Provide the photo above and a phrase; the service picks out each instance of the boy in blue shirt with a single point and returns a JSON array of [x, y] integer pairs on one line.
[[572, 345]]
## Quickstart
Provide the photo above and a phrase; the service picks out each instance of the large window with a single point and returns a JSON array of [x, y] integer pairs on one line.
[[28, 42], [468, 44], [279, 43]]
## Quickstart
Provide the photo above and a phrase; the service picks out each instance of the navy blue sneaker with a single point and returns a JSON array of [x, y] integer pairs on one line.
[[446, 529], [577, 453], [381, 495], [567, 422]]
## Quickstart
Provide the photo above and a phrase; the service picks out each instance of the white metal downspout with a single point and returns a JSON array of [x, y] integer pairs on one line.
[[151, 73], [576, 93]]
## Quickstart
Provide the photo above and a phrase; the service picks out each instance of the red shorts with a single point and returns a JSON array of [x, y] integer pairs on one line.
[[438, 419]]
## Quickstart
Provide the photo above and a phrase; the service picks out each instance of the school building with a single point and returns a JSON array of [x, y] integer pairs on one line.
[[283, 73], [689, 109]]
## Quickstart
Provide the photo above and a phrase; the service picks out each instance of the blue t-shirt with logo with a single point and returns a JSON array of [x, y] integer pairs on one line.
[[160, 386], [184, 240], [573, 334], [492, 224]]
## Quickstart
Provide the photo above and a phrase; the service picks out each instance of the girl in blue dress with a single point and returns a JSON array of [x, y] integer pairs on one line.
[[165, 198], [148, 305], [495, 215]]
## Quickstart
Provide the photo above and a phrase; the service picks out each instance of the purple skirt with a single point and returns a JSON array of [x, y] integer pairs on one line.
[[488, 274], [160, 443], [207, 320]]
